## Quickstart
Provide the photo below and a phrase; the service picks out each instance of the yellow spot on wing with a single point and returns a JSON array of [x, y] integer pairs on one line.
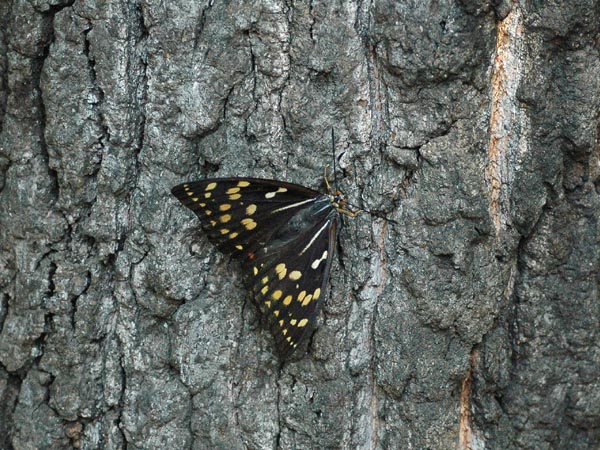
[[280, 270], [276, 295], [207, 195], [233, 235], [249, 224], [235, 196], [251, 209], [195, 199], [265, 289], [265, 280], [210, 186], [255, 271], [233, 190], [293, 322], [276, 313], [289, 339], [287, 300], [243, 184], [224, 231], [268, 303], [239, 247], [208, 212], [303, 323], [295, 275], [307, 300], [225, 218], [317, 293], [284, 331], [225, 207], [301, 296]]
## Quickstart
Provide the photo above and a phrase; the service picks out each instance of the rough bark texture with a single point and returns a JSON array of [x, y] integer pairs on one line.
[[474, 324]]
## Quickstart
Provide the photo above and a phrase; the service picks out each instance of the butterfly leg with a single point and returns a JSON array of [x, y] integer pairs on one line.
[[326, 180], [349, 213]]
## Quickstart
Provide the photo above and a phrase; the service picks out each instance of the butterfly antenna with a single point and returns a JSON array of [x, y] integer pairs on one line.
[[333, 154]]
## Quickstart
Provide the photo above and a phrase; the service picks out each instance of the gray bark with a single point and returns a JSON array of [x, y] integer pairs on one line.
[[473, 324]]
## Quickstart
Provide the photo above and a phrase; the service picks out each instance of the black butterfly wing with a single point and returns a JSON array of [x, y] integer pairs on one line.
[[289, 280], [239, 215], [285, 235]]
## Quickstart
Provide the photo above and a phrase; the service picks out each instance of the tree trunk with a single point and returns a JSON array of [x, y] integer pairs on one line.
[[471, 323]]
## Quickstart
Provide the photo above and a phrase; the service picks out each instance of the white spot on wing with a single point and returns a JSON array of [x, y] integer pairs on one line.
[[293, 205], [311, 242], [316, 262]]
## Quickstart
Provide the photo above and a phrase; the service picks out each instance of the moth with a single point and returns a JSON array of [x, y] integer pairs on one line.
[[283, 234]]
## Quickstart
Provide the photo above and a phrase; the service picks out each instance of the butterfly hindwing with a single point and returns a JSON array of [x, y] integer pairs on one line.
[[288, 280]]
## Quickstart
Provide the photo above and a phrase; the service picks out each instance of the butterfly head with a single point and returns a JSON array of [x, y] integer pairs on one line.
[[341, 204]]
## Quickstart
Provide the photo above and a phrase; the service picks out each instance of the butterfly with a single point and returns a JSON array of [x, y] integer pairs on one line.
[[284, 235]]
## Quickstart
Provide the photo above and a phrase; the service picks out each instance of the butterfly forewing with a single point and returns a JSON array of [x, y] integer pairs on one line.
[[238, 214], [284, 235]]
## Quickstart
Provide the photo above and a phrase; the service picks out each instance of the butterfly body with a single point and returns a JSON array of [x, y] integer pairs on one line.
[[284, 235]]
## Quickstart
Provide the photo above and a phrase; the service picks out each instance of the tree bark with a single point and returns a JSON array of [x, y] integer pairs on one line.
[[471, 323]]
